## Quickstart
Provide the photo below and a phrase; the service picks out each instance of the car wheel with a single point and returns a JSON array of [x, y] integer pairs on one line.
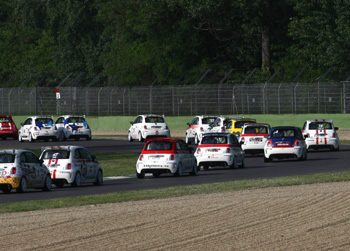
[[47, 183], [22, 185], [59, 183], [242, 165], [266, 159], [234, 163], [194, 170], [179, 170], [99, 178], [7, 189], [62, 136], [77, 180], [129, 137], [140, 175], [140, 137]]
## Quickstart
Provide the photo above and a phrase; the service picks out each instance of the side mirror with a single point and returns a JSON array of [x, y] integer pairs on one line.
[[93, 157], [131, 122], [188, 123], [336, 128], [41, 162], [22, 124]]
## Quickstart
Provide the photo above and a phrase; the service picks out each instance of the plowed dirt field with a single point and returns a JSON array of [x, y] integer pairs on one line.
[[307, 217]]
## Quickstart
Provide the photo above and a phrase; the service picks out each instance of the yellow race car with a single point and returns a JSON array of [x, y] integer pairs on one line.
[[235, 125]]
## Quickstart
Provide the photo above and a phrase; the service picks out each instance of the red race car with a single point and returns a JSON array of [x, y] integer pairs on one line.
[[8, 128]]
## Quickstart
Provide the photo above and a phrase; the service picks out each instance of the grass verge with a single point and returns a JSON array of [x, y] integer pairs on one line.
[[173, 192]]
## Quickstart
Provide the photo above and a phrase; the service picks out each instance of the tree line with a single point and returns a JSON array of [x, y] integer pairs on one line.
[[138, 42]]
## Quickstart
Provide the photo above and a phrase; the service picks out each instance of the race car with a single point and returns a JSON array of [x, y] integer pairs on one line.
[[22, 169], [235, 125], [219, 149], [166, 155], [220, 124], [253, 137], [72, 165], [198, 126], [148, 126], [38, 128], [285, 142], [8, 128], [321, 134], [73, 127]]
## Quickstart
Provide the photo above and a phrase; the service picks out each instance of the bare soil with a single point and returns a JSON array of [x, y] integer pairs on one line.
[[306, 217]]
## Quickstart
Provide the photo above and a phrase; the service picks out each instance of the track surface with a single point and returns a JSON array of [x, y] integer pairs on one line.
[[318, 162]]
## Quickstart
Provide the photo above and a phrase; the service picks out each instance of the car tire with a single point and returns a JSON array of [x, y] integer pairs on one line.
[[59, 183], [139, 137], [7, 189], [99, 178], [62, 136], [242, 165], [266, 160], [179, 170], [140, 175], [194, 170], [47, 183], [77, 180], [234, 163], [22, 185], [129, 137]]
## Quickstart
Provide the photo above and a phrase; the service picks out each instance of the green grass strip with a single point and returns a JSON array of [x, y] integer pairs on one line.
[[117, 197]]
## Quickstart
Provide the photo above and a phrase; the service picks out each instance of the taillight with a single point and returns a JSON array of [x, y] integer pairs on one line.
[[172, 157], [67, 126], [242, 139], [69, 166], [87, 126], [198, 150], [228, 150], [13, 170], [36, 128], [202, 129], [334, 136], [141, 157], [166, 127], [296, 143], [145, 127], [269, 143], [55, 127]]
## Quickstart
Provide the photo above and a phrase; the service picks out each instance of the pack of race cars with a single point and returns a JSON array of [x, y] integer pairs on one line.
[[221, 141]]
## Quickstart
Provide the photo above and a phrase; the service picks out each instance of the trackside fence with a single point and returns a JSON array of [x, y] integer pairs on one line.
[[262, 98]]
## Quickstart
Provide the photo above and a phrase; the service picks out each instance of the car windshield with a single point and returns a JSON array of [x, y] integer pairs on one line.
[[159, 145], [240, 124], [208, 120], [5, 120], [7, 158], [214, 140], [320, 126], [56, 154], [154, 120], [76, 120], [283, 133], [40, 122], [256, 129]]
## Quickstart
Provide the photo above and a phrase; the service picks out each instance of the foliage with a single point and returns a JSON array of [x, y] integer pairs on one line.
[[141, 42]]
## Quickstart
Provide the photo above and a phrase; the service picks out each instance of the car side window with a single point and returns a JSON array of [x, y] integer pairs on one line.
[[31, 158], [28, 121], [60, 120], [77, 154], [23, 158], [85, 154], [194, 121], [234, 140], [183, 145]]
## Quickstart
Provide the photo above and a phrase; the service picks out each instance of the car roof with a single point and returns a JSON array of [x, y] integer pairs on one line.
[[6, 116], [242, 118], [285, 127], [152, 115], [256, 124], [207, 116], [67, 148], [36, 117], [14, 151], [66, 116]]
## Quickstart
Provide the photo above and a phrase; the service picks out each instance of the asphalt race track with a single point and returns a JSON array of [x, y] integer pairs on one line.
[[318, 162]]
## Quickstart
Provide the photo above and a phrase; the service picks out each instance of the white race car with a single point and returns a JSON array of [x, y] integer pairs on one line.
[[73, 127], [147, 126], [22, 169], [38, 128], [220, 124], [71, 165], [198, 126], [166, 155], [219, 149], [321, 134], [253, 137], [285, 142]]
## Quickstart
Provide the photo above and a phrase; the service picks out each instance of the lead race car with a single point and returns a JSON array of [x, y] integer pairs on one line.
[[321, 134]]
